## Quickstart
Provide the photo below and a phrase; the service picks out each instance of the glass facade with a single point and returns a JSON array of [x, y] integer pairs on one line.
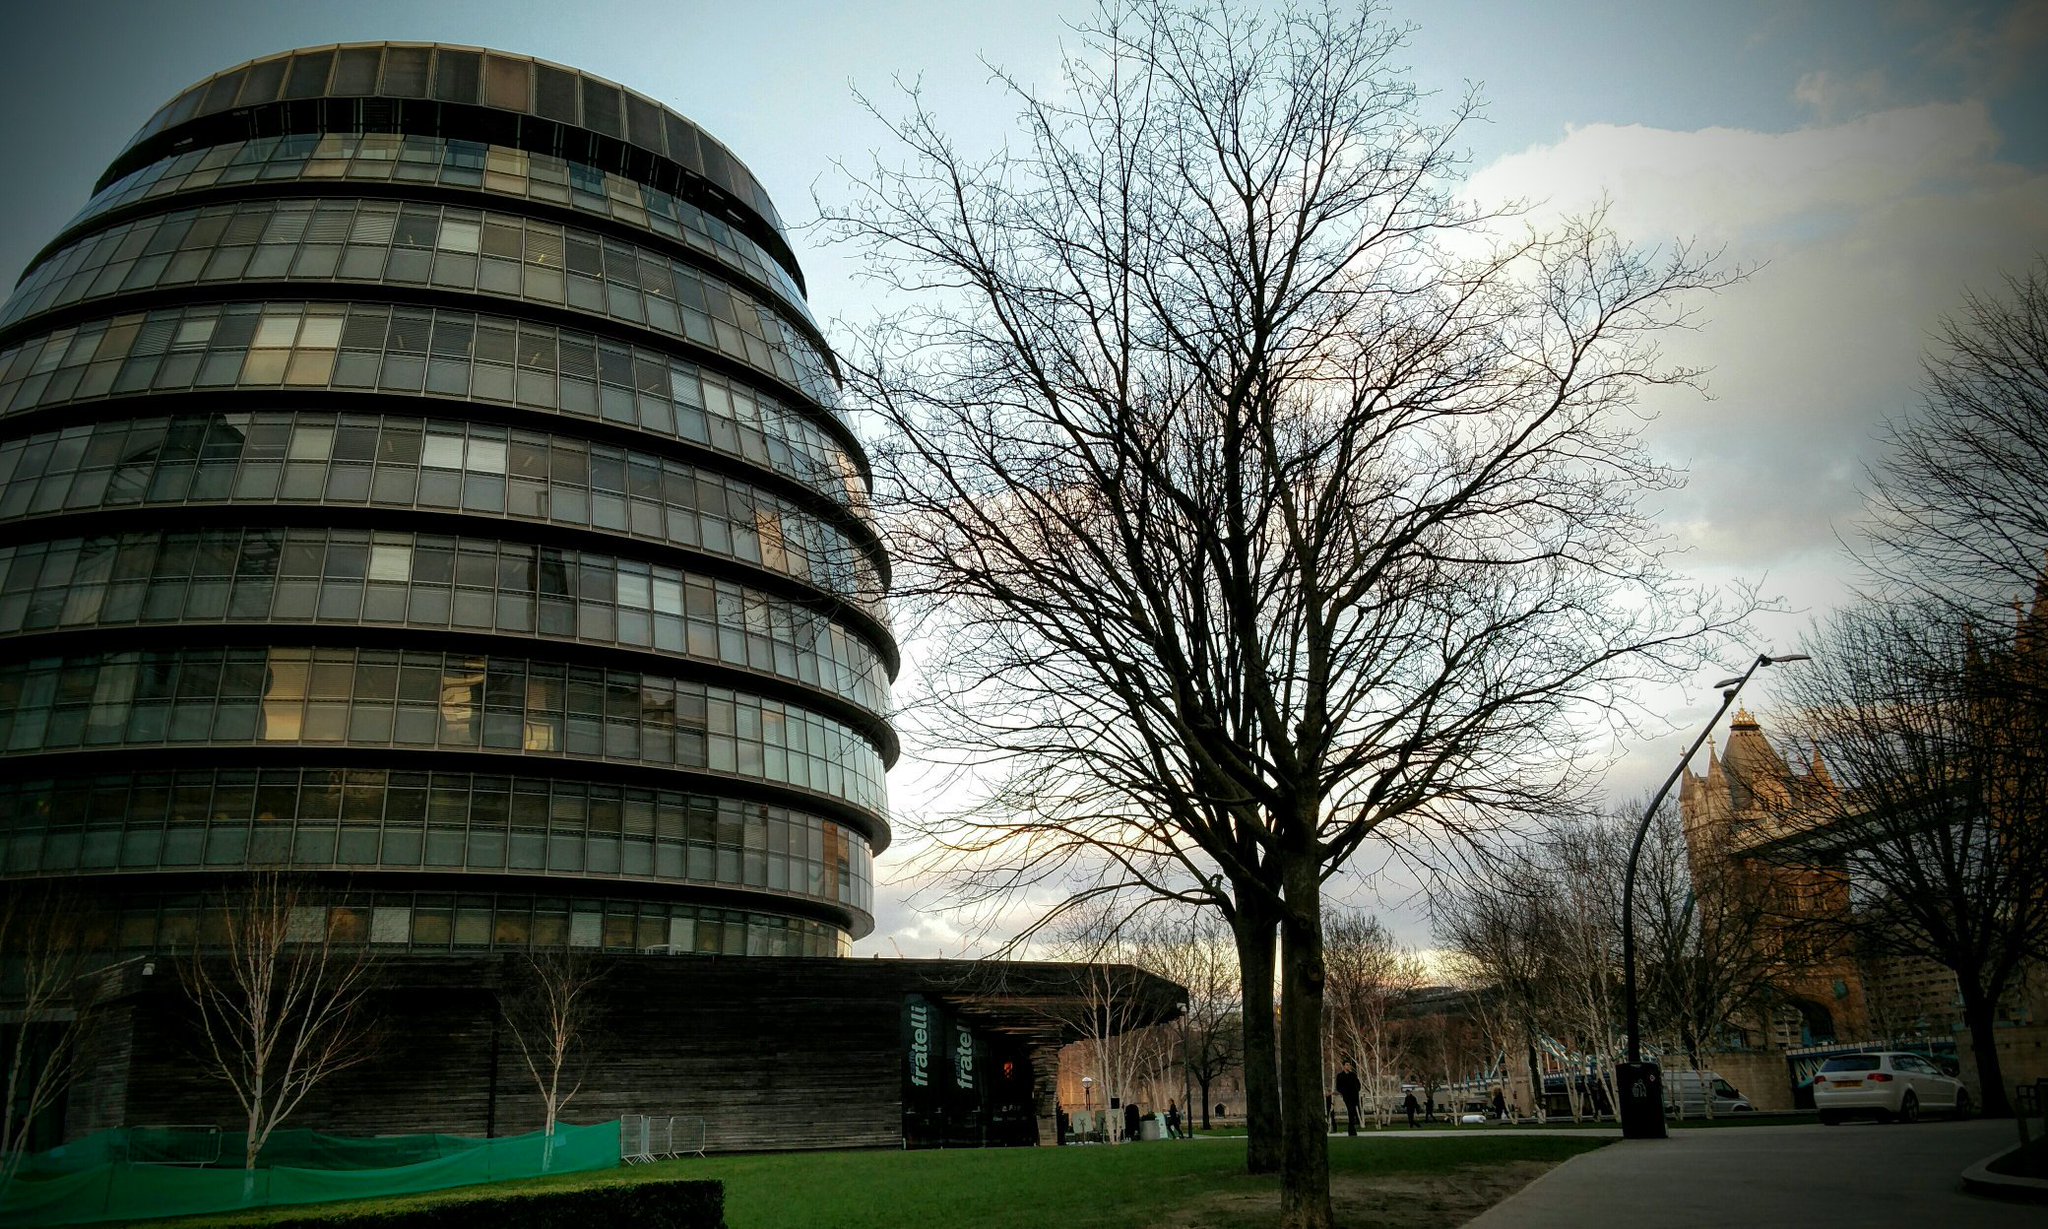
[[419, 469], [494, 170], [432, 355], [301, 243]]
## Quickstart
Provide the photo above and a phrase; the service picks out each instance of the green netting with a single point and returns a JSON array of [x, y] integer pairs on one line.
[[141, 1173], [294, 1149]]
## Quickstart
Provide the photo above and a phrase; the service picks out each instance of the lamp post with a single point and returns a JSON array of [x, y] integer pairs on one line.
[[1641, 1084]]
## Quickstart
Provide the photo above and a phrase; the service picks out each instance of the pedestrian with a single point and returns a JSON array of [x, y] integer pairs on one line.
[[1410, 1105], [1500, 1105], [1430, 1105], [1173, 1120], [1347, 1088]]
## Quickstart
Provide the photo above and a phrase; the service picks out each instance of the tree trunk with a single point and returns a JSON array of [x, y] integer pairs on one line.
[[1253, 926], [1305, 1144], [1205, 1105], [1980, 1014]]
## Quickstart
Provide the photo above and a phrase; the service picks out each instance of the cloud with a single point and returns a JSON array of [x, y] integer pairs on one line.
[[1831, 97], [1996, 52], [1862, 234]]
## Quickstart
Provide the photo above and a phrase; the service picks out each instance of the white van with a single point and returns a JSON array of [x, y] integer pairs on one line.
[[1686, 1094]]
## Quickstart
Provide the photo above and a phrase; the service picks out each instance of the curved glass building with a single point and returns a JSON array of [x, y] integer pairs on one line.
[[419, 468]]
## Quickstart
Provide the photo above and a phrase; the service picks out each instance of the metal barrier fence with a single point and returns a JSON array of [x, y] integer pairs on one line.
[[644, 1139], [173, 1145]]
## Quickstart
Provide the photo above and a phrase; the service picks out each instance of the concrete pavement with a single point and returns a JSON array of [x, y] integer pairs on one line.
[[1801, 1177]]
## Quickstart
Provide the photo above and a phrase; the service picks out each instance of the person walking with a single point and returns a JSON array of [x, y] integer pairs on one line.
[[1172, 1120], [1410, 1105], [1347, 1088]]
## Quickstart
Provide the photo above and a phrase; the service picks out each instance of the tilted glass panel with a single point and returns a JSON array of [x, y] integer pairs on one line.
[[343, 697], [372, 818], [433, 245], [422, 580], [506, 171], [431, 921], [429, 464], [383, 348]]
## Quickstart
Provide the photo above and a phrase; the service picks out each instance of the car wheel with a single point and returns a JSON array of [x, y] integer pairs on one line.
[[1829, 1118], [1909, 1107], [1962, 1103]]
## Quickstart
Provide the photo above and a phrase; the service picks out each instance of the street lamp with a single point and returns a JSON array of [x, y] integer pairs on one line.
[[1639, 1083]]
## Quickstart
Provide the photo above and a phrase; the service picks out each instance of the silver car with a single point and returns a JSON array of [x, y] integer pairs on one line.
[[1888, 1085]]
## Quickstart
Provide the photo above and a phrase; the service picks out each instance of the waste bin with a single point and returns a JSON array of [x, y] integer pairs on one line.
[[1149, 1130], [1642, 1100]]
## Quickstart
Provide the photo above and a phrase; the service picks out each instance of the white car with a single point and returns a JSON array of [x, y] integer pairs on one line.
[[1886, 1084]]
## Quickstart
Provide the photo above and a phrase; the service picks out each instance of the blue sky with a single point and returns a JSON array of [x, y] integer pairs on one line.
[[1871, 159]]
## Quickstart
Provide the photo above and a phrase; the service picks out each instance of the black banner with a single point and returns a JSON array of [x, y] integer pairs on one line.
[[927, 1079]]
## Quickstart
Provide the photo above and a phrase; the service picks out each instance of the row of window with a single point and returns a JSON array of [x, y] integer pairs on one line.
[[451, 354], [388, 698], [382, 157], [449, 74], [433, 465], [383, 244], [363, 818], [434, 921], [327, 576]]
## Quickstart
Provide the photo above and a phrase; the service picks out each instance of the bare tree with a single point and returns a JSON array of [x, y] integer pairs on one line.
[[1498, 942], [1960, 498], [1709, 927], [1368, 978], [553, 1014], [1111, 1004], [1937, 732], [1257, 501], [279, 998], [1583, 864], [1539, 931], [1195, 951], [45, 950]]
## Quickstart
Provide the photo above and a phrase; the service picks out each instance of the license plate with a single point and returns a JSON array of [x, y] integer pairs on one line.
[[1845, 1083]]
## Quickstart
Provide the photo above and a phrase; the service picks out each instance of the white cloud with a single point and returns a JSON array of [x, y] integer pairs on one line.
[[1862, 234], [1832, 97]]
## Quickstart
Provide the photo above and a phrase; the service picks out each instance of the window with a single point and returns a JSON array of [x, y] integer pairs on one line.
[[459, 236], [390, 561], [1851, 1062]]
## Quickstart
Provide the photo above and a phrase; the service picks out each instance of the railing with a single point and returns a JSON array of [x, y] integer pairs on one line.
[[644, 1139], [173, 1145]]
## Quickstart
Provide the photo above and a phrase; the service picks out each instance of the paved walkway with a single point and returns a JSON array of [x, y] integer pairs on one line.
[[1811, 1177]]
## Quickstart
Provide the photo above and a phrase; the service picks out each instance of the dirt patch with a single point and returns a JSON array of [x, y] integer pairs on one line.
[[1392, 1201]]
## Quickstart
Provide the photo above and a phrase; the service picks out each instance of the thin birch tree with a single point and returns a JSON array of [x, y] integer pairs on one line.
[[553, 1013], [46, 952], [279, 1000]]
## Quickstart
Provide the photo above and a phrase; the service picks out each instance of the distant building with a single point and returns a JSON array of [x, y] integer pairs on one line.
[[1745, 798], [1746, 806]]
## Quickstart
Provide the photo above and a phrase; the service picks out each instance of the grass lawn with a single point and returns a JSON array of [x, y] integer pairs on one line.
[[1198, 1183]]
